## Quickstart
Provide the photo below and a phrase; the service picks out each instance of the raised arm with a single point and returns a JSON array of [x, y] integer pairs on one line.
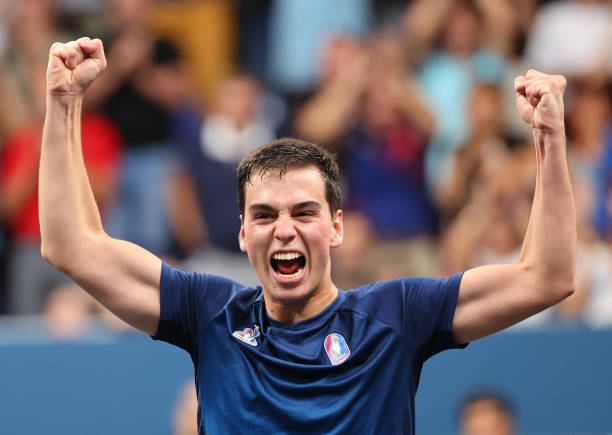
[[494, 297], [122, 276], [331, 111]]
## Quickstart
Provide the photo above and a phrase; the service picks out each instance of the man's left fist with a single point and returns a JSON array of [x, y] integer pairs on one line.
[[539, 99]]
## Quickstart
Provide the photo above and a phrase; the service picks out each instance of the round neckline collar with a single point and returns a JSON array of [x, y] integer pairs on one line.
[[302, 324]]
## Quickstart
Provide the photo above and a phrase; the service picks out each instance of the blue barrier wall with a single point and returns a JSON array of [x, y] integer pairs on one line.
[[560, 382]]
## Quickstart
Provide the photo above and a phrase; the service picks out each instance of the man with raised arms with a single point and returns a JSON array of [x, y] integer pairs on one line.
[[297, 355]]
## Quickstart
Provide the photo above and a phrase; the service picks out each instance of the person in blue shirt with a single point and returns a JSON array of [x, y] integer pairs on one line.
[[297, 354]]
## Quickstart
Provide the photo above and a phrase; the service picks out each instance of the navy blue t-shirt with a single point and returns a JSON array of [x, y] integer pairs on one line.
[[353, 368]]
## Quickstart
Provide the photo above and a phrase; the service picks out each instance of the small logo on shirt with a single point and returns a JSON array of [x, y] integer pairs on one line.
[[336, 348], [247, 335]]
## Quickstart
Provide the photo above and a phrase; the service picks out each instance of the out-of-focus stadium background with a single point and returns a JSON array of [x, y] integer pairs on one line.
[[416, 99]]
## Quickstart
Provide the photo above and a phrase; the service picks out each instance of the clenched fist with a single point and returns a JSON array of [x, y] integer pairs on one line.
[[539, 99], [74, 65]]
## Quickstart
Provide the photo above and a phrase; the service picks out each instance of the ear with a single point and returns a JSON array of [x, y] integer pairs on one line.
[[337, 230], [241, 236]]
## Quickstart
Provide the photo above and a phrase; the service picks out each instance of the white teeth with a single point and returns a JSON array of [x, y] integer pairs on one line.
[[286, 256], [293, 275]]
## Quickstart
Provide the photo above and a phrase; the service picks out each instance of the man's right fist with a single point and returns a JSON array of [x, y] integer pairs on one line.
[[74, 65]]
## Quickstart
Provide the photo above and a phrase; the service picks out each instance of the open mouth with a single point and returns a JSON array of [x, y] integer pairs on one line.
[[288, 264]]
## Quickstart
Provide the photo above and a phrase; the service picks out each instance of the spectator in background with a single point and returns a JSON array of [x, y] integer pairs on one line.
[[468, 53], [481, 157], [590, 139], [22, 102], [185, 415], [30, 278], [70, 313], [583, 28], [205, 190], [485, 200], [299, 31], [31, 29], [370, 110], [205, 33], [590, 133], [142, 93], [489, 225], [486, 413]]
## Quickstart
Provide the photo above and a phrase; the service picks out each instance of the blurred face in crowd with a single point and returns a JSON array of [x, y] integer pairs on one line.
[[380, 110], [127, 13], [486, 417], [589, 116], [33, 11], [236, 99], [485, 110], [31, 20], [287, 231]]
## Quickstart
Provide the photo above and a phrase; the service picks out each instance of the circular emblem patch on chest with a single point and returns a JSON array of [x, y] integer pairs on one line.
[[336, 348]]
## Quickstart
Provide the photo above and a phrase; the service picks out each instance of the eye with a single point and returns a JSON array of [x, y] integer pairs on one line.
[[262, 216], [305, 214]]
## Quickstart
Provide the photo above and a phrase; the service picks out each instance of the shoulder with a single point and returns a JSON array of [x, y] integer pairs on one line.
[[398, 285], [401, 295], [382, 296], [207, 292]]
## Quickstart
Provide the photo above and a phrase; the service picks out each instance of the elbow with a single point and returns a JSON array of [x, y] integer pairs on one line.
[[558, 290], [52, 256], [562, 283], [551, 286], [61, 256], [566, 291]]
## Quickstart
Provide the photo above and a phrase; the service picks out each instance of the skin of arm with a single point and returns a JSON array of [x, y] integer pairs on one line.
[[422, 22], [330, 112], [413, 107], [122, 276], [495, 297], [499, 25]]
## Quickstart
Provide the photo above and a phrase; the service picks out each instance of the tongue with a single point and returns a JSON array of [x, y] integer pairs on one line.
[[288, 267]]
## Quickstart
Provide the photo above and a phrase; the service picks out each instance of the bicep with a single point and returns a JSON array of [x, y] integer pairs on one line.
[[122, 276], [494, 297]]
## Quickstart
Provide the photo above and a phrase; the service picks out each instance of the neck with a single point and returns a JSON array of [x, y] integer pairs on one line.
[[296, 311]]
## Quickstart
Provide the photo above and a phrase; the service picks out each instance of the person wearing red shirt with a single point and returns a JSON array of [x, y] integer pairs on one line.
[[30, 278]]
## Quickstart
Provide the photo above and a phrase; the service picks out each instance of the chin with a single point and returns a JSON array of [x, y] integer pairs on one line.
[[291, 295]]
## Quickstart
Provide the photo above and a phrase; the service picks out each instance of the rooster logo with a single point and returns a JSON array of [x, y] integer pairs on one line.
[[248, 335]]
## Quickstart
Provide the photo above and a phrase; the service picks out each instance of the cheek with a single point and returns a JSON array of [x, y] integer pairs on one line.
[[255, 240], [319, 240]]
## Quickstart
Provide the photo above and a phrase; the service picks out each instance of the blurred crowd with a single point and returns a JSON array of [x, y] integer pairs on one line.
[[415, 97]]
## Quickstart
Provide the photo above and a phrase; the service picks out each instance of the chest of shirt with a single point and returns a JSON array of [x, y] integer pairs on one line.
[[335, 370]]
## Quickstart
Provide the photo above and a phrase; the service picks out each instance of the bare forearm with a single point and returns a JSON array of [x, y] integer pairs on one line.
[[416, 110], [328, 114], [550, 242], [498, 24], [422, 21], [68, 211]]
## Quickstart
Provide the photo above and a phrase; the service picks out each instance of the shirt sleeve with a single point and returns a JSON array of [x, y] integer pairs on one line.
[[429, 319], [188, 301]]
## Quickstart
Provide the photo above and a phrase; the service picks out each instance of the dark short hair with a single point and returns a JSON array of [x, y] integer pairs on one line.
[[283, 154]]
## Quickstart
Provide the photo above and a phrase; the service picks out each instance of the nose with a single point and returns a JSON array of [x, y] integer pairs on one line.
[[284, 231]]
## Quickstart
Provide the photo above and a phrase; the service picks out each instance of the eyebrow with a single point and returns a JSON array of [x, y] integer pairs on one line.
[[307, 204], [260, 206], [301, 205]]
